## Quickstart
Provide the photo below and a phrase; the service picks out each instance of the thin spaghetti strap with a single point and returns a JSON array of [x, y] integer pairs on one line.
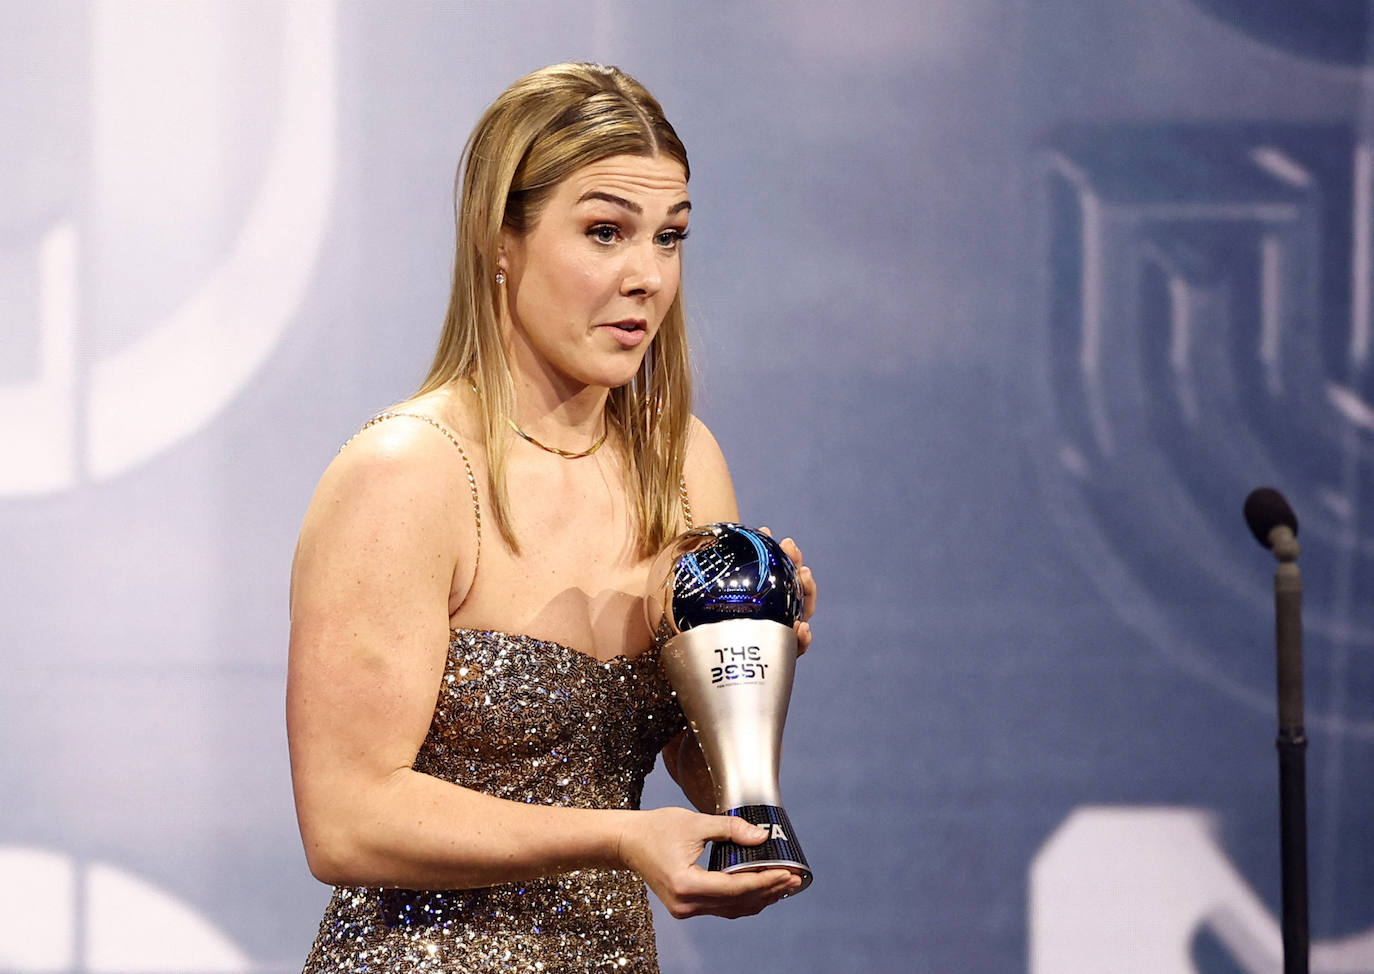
[[467, 465], [686, 503]]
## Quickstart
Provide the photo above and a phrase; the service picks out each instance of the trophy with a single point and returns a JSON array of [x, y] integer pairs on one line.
[[722, 600]]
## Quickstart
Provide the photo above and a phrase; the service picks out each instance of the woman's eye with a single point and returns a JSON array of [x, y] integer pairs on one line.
[[603, 233], [669, 239]]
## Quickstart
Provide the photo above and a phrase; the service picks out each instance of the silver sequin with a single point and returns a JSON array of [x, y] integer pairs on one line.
[[531, 721]]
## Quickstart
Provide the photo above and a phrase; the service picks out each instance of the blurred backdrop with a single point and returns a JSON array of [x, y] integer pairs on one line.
[[1001, 308]]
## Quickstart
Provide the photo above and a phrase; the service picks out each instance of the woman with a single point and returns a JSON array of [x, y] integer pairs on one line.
[[473, 696]]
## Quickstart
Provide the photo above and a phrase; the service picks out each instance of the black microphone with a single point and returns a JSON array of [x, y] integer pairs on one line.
[[1275, 526], [1265, 510]]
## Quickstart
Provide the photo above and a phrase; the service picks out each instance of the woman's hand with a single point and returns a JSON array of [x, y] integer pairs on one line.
[[663, 846], [809, 591]]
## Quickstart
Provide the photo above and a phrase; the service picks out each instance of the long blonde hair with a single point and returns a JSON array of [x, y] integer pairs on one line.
[[541, 129]]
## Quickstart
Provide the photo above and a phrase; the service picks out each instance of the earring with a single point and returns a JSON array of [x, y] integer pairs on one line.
[[500, 277]]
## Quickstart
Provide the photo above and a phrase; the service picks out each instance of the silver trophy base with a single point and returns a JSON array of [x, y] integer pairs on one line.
[[780, 851]]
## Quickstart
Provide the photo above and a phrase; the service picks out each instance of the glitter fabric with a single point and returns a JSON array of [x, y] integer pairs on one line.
[[531, 721]]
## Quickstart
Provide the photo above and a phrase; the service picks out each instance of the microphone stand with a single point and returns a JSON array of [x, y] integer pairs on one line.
[[1292, 748]]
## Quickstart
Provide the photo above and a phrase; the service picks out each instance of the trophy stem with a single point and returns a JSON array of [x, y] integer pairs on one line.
[[779, 850]]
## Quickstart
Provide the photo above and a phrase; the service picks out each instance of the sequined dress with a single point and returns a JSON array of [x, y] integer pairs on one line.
[[531, 721]]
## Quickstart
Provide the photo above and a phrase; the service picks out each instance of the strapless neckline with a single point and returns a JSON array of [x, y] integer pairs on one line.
[[649, 653]]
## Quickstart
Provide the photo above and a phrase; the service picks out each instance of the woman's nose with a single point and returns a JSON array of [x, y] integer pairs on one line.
[[642, 274]]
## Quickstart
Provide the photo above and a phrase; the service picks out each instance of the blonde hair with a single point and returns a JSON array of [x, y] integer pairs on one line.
[[541, 129]]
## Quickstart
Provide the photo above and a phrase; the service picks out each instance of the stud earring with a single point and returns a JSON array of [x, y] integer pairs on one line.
[[500, 277]]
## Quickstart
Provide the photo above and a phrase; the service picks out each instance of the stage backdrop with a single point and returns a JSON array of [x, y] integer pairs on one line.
[[1001, 308]]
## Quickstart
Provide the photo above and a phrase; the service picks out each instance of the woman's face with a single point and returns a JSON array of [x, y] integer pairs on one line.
[[588, 286]]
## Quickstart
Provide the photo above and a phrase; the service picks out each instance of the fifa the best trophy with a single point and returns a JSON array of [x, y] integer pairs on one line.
[[722, 601]]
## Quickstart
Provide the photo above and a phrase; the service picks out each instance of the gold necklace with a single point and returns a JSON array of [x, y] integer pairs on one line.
[[565, 454]]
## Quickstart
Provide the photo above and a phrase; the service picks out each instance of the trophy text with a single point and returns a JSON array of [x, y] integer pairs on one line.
[[739, 663]]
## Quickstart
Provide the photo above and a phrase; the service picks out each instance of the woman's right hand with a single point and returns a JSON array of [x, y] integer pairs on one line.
[[663, 846]]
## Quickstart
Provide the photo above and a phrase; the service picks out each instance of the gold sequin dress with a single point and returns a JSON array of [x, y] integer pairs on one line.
[[531, 721]]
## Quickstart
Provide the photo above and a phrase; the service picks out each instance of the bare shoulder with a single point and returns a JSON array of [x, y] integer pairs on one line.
[[420, 438], [407, 459], [709, 487], [397, 492]]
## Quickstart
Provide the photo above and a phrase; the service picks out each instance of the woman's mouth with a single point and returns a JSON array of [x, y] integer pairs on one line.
[[629, 333]]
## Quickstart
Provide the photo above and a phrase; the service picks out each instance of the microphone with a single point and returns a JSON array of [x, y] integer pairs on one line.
[[1275, 526], [1266, 511]]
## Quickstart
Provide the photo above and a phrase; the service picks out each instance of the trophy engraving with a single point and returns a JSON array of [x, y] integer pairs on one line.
[[722, 601]]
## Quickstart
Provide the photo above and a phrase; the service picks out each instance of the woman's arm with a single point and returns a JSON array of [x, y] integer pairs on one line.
[[712, 495], [369, 632], [387, 529]]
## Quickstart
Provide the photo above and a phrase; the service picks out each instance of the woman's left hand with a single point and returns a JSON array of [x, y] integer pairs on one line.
[[809, 592]]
